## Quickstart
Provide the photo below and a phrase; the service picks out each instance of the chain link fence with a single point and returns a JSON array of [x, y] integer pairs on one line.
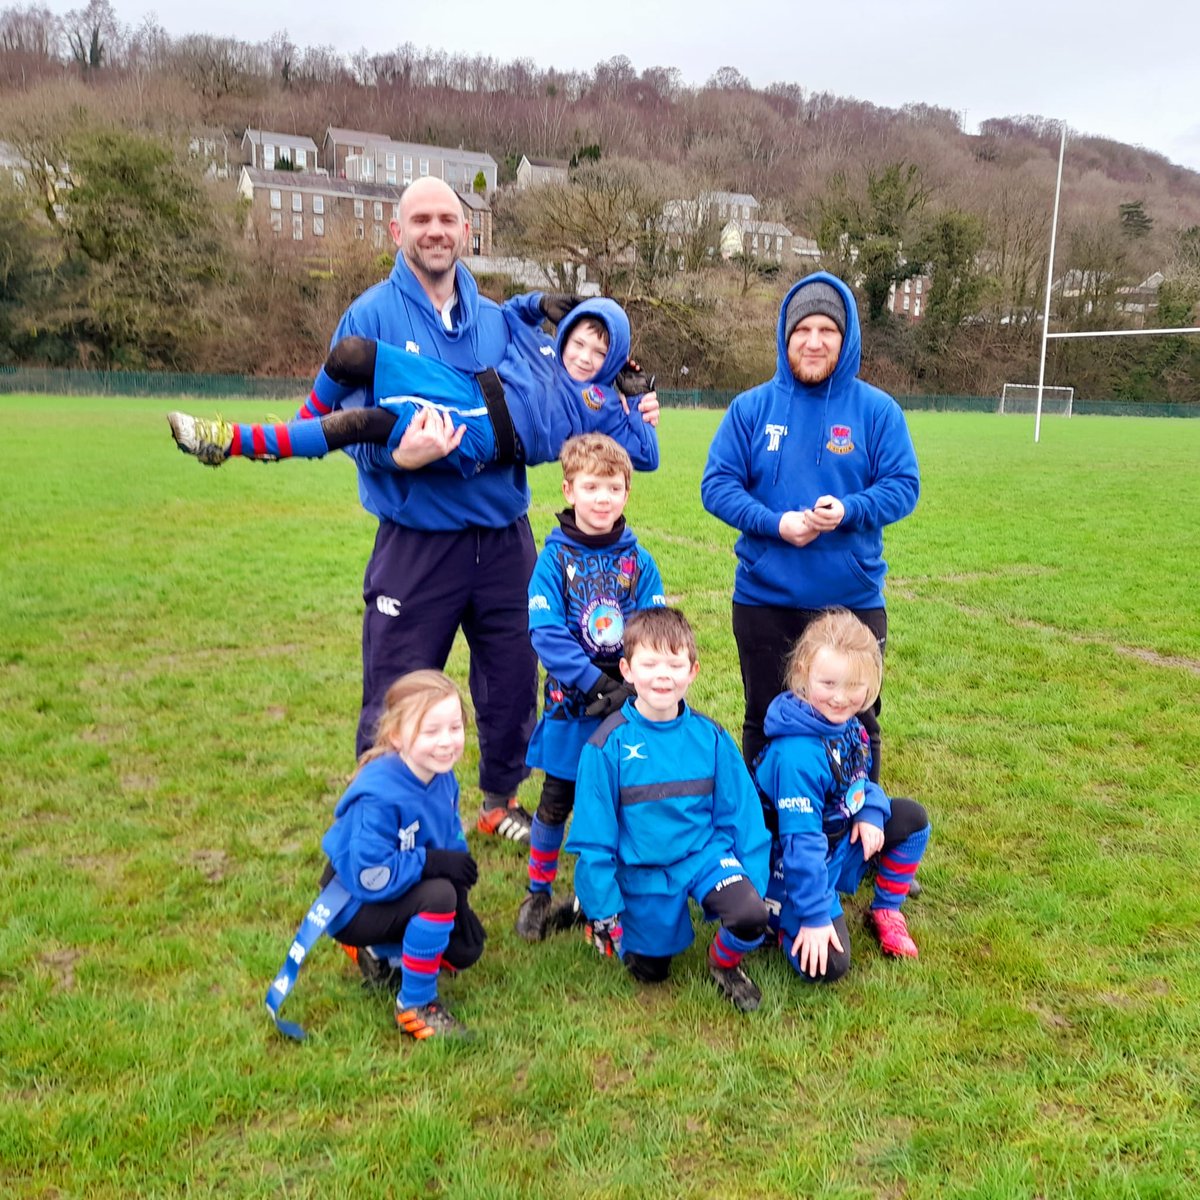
[[55, 382]]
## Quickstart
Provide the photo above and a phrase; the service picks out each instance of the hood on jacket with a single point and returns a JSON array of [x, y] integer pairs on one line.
[[789, 715], [466, 308], [612, 316], [850, 358]]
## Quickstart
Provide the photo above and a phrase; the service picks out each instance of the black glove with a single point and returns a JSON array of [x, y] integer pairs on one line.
[[556, 305], [633, 381], [455, 865], [607, 696]]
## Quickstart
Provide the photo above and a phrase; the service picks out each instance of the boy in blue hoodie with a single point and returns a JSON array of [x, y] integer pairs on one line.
[[809, 467], [833, 823], [665, 811], [543, 392], [590, 577]]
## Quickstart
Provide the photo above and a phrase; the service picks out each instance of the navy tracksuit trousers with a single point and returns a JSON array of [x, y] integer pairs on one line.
[[419, 588]]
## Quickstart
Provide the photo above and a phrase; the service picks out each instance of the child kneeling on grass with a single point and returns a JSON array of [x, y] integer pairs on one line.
[[399, 869], [834, 824], [665, 810]]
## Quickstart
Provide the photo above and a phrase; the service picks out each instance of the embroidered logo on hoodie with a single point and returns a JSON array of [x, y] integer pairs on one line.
[[593, 397], [839, 439], [774, 433]]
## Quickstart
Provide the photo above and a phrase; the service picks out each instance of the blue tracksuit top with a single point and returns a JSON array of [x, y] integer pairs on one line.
[[783, 444], [652, 799], [579, 597], [381, 827], [814, 773], [398, 311], [548, 406]]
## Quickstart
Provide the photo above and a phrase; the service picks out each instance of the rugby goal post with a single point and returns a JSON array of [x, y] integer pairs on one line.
[[1023, 398]]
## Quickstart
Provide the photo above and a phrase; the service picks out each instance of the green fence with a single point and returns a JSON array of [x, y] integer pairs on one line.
[[43, 381]]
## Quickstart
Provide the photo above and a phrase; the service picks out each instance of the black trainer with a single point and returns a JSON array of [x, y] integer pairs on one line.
[[736, 986], [531, 916]]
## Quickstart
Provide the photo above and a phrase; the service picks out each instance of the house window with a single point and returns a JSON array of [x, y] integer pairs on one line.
[[377, 235], [390, 161], [391, 177], [297, 202], [906, 301], [318, 226], [476, 221], [920, 286], [907, 286], [475, 244], [358, 230], [379, 210], [297, 229], [277, 222], [368, 168], [754, 243], [408, 167], [746, 211], [300, 159], [276, 199], [268, 157], [319, 205], [917, 307], [395, 212], [424, 166], [358, 210]]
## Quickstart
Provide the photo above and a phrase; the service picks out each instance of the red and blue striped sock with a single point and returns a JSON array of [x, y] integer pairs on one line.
[[545, 841], [325, 396], [295, 439], [425, 937], [897, 866], [727, 949]]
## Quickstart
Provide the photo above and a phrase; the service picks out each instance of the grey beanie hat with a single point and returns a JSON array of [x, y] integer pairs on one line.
[[816, 297]]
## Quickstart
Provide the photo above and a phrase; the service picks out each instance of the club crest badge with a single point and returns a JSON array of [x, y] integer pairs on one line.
[[625, 569], [602, 626], [840, 441], [593, 397]]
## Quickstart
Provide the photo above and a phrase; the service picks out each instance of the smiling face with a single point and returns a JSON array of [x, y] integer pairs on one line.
[[432, 229], [584, 350], [434, 743], [661, 677], [833, 687], [814, 348], [598, 500]]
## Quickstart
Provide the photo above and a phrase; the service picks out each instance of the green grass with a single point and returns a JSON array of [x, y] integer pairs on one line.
[[179, 680]]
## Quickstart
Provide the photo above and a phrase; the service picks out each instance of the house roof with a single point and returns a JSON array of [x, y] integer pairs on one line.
[[309, 181], [556, 164], [293, 140], [377, 141]]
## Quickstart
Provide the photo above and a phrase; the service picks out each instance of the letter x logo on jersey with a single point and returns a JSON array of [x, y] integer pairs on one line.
[[635, 752]]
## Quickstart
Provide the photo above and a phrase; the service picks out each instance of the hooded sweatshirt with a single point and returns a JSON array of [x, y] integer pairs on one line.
[[582, 591], [814, 774], [547, 406], [783, 444], [398, 311]]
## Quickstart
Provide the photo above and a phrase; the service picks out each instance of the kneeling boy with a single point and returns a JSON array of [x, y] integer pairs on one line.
[[664, 811]]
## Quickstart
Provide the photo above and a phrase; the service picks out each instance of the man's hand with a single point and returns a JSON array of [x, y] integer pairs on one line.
[[869, 836], [605, 935], [430, 435], [795, 529], [648, 407], [811, 948], [556, 305], [826, 514]]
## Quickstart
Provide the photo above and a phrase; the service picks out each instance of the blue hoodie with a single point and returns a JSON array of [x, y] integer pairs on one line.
[[814, 774], [548, 406], [783, 444], [382, 827], [398, 311]]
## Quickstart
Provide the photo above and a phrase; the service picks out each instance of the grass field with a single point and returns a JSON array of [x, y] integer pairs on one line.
[[178, 690]]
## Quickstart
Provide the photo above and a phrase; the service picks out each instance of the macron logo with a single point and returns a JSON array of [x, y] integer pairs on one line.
[[388, 605], [794, 804], [774, 434], [539, 604]]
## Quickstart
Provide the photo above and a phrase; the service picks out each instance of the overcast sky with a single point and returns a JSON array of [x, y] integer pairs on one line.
[[1128, 70]]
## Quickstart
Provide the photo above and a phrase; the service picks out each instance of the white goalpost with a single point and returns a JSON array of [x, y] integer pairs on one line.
[[1023, 398]]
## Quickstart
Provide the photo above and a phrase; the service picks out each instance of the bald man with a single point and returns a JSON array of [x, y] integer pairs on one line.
[[450, 552]]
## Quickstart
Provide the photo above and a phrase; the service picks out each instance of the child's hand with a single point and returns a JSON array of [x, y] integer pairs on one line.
[[605, 936], [455, 865], [869, 836], [811, 948]]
